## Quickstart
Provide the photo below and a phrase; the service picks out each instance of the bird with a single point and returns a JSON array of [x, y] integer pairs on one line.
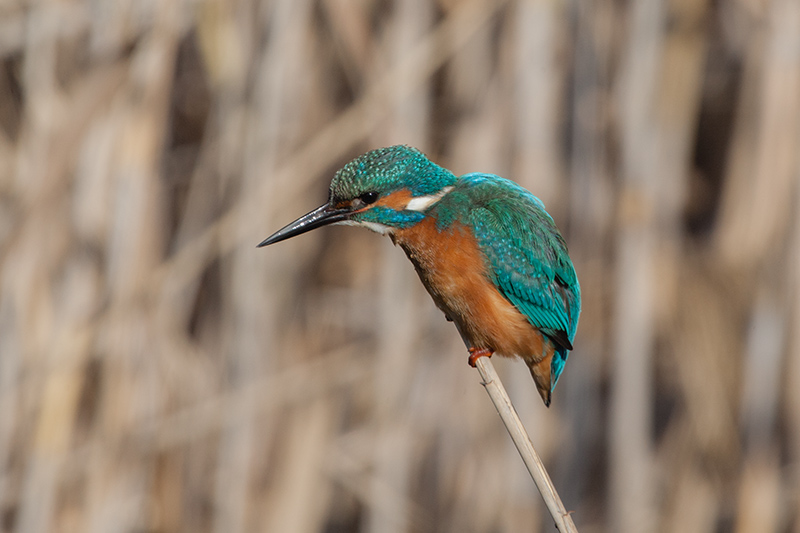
[[488, 253]]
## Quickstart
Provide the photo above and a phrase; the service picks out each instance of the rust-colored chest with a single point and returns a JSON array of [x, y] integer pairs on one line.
[[453, 269]]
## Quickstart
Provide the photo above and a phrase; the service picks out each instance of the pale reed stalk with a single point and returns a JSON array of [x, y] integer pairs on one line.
[[494, 387]]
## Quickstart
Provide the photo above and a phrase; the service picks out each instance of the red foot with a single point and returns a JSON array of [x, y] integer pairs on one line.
[[476, 353]]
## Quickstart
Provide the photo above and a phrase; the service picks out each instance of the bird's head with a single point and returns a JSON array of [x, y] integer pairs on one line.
[[383, 190]]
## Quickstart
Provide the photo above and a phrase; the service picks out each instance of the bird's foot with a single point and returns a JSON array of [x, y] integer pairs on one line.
[[476, 353]]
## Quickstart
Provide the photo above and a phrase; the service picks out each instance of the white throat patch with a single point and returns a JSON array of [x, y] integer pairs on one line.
[[373, 226], [421, 203]]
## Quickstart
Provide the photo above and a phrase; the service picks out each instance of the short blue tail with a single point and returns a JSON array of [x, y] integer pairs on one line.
[[557, 366]]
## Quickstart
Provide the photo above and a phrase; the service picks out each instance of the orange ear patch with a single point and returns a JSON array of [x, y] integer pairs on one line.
[[397, 201]]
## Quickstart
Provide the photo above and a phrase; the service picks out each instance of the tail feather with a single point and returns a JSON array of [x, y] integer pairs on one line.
[[557, 365], [541, 373], [547, 370]]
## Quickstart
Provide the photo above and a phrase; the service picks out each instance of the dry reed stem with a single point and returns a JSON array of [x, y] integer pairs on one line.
[[494, 387]]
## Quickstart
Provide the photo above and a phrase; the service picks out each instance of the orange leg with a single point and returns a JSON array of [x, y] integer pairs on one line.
[[475, 353]]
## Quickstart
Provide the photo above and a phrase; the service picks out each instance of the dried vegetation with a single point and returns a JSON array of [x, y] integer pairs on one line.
[[158, 373]]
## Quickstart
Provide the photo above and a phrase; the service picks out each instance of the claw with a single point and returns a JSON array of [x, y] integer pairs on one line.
[[476, 353]]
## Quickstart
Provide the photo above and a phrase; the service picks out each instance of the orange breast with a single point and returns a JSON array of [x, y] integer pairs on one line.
[[453, 269]]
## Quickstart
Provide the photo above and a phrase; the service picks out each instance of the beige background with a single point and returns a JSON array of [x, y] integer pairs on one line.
[[158, 373]]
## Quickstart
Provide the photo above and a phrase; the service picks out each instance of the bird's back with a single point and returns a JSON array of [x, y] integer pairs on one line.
[[525, 257]]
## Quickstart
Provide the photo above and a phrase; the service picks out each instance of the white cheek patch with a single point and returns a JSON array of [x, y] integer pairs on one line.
[[373, 226], [421, 203]]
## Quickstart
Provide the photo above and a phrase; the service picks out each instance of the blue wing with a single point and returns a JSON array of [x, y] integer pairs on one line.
[[528, 259]]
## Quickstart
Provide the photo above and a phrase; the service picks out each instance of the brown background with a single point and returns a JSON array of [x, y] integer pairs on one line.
[[158, 373]]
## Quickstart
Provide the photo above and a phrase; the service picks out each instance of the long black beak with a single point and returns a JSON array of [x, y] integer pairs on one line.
[[321, 216]]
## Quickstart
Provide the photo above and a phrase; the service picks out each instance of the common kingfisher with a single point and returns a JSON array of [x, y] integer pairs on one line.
[[486, 250]]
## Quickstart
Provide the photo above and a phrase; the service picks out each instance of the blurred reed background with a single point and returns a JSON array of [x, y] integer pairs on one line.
[[158, 373]]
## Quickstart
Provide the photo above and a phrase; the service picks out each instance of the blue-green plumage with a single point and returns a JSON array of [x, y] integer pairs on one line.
[[527, 257], [387, 170], [485, 248]]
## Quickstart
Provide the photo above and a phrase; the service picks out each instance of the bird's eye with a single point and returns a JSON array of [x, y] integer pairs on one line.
[[369, 197]]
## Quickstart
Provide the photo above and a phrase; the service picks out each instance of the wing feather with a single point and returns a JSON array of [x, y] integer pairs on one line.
[[527, 257]]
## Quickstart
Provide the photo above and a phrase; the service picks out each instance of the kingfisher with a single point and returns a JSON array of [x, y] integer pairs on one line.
[[484, 247]]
